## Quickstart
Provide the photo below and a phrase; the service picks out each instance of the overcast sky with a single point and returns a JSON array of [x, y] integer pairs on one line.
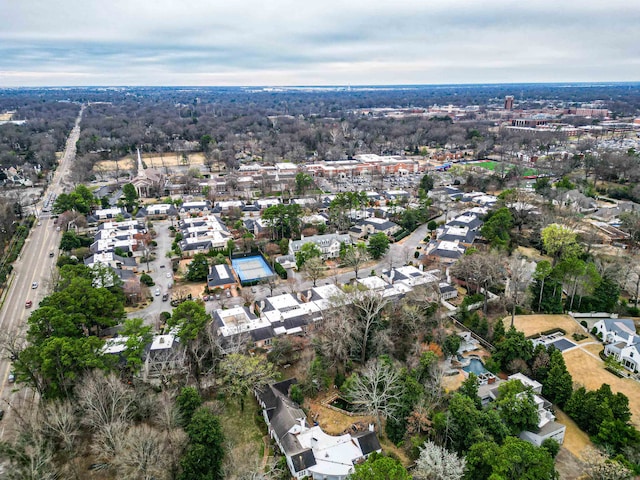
[[321, 42]]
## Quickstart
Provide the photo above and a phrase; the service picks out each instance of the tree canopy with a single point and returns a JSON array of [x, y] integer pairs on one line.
[[378, 245]]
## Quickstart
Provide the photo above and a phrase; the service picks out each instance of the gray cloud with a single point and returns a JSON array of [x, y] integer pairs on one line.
[[250, 42]]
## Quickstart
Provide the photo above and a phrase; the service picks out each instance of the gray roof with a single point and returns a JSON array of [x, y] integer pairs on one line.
[[368, 441], [620, 326], [214, 279], [303, 460]]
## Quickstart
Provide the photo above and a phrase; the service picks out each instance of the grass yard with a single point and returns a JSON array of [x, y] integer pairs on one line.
[[587, 369], [243, 436], [491, 165], [532, 324], [169, 159], [575, 440]]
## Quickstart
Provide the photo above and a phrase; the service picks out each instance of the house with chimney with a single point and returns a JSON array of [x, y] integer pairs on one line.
[[621, 340], [308, 450]]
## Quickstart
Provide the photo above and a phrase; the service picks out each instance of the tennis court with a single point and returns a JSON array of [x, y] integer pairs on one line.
[[251, 269]]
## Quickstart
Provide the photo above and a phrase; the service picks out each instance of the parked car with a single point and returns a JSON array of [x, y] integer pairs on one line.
[[1, 414], [157, 292], [165, 297], [12, 377], [34, 285], [28, 304], [168, 274], [228, 294]]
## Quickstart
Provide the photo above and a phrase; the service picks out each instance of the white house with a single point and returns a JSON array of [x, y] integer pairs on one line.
[[309, 451], [547, 426], [621, 341], [329, 244]]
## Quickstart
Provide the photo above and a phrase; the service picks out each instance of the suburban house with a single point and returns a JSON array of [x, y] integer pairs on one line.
[[469, 220], [409, 275], [547, 426], [328, 244], [620, 339], [462, 235], [163, 356], [370, 226], [239, 325], [309, 451], [126, 235], [112, 260], [159, 210], [202, 234], [444, 252], [221, 276], [107, 214], [447, 292]]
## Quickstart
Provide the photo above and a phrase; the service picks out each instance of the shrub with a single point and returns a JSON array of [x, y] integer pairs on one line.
[[296, 394], [584, 323], [594, 331], [551, 446], [416, 254], [147, 280], [280, 270]]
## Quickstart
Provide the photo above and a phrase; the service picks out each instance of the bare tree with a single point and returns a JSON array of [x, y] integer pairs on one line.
[[363, 310], [142, 455], [60, 423], [376, 390], [105, 400], [332, 337], [519, 275], [314, 269], [437, 463], [355, 257]]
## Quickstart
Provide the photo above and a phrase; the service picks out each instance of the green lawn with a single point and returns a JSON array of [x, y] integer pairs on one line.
[[242, 433], [491, 165]]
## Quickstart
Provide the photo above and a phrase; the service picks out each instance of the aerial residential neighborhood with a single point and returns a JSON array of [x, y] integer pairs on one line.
[[320, 240]]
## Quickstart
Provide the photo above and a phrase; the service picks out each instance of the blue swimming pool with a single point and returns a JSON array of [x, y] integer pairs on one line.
[[475, 366]]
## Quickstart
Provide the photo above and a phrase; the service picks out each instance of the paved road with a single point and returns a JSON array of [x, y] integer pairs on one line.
[[33, 265]]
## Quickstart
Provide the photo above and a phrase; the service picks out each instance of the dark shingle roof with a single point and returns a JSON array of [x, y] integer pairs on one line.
[[262, 334], [303, 460], [368, 442]]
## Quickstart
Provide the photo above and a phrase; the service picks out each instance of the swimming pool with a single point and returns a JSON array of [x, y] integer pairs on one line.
[[475, 366]]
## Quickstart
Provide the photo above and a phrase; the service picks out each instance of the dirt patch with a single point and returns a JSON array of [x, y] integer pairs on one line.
[[575, 440], [154, 161], [452, 383], [532, 254], [568, 466], [533, 324], [5, 117], [587, 369], [333, 422]]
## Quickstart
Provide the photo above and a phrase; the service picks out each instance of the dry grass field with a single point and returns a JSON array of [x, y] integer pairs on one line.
[[588, 369], [532, 324], [153, 161], [583, 363], [5, 117]]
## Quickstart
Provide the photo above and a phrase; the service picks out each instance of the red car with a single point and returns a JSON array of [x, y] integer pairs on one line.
[[28, 304]]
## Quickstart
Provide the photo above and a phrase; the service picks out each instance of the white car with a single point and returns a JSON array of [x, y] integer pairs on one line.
[[157, 292], [34, 285], [168, 274]]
